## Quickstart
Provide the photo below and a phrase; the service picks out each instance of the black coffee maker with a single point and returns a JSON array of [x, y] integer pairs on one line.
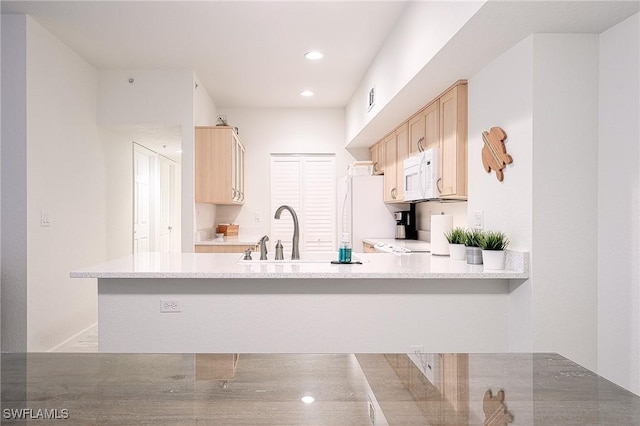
[[405, 225]]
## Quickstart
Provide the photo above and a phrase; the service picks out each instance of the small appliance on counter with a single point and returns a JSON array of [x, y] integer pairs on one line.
[[228, 229], [405, 224]]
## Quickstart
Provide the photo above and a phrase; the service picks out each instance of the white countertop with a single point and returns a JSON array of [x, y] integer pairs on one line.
[[413, 245], [375, 266]]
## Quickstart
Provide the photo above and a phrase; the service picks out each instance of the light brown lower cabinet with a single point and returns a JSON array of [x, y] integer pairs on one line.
[[224, 249]]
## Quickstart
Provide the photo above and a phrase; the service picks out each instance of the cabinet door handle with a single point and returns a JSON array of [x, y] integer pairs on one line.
[[233, 193], [438, 185], [393, 193], [420, 147]]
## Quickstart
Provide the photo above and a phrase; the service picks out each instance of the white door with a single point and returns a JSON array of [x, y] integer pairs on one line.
[[166, 220], [143, 166]]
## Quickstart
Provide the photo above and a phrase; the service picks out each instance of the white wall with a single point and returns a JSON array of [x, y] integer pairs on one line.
[[157, 98], [501, 95], [543, 93], [1, 189], [204, 110], [118, 154], [619, 205], [14, 183], [421, 31], [66, 178], [266, 131], [565, 164]]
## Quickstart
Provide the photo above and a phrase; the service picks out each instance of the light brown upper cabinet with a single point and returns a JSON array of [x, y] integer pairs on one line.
[[219, 166], [377, 156], [424, 128], [453, 143], [396, 150], [443, 124]]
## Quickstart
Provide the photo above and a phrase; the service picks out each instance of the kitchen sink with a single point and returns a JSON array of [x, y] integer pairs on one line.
[[305, 257]]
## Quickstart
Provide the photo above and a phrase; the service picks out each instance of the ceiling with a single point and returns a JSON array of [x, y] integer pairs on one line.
[[246, 53], [251, 53]]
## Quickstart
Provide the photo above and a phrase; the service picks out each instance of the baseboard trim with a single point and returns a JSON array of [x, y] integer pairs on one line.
[[75, 336]]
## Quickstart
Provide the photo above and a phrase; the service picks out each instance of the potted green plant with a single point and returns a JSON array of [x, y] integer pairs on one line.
[[456, 238], [493, 245], [472, 243]]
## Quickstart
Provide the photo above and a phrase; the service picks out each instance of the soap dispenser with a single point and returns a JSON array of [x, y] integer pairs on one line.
[[344, 252]]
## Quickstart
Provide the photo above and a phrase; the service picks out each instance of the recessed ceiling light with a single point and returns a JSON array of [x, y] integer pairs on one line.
[[313, 55], [306, 93]]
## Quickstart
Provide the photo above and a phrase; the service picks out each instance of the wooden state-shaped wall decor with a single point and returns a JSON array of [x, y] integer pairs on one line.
[[494, 153]]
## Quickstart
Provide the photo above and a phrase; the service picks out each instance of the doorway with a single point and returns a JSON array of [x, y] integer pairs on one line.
[[156, 204]]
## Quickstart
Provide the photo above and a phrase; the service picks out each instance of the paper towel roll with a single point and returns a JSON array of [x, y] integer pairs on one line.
[[440, 223]]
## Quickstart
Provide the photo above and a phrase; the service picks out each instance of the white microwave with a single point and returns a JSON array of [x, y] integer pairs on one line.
[[421, 173]]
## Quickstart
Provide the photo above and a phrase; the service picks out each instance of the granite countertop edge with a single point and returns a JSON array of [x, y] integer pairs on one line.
[[418, 266]]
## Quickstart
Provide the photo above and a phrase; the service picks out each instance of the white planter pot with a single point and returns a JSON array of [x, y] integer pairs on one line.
[[457, 251], [493, 259]]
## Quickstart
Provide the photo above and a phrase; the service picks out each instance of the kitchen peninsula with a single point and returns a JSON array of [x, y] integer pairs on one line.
[[218, 303]]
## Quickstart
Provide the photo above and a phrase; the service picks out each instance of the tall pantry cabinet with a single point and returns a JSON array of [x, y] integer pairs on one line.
[[219, 166]]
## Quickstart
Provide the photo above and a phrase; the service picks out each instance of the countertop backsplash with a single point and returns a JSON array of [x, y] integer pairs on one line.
[[424, 211]]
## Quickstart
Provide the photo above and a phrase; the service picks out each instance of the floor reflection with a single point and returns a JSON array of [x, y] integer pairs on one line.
[[305, 389]]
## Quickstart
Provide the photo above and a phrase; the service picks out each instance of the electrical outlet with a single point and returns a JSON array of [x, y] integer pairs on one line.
[[256, 217], [417, 349], [170, 305]]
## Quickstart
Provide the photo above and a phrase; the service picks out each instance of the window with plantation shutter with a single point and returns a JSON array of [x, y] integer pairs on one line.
[[307, 183]]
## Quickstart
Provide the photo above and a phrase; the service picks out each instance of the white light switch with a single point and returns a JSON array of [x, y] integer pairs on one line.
[[256, 217], [45, 218], [478, 219]]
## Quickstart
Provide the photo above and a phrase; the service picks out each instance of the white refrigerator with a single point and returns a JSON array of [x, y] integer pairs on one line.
[[361, 211]]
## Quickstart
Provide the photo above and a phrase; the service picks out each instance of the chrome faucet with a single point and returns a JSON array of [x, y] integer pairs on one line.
[[263, 247], [295, 252]]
